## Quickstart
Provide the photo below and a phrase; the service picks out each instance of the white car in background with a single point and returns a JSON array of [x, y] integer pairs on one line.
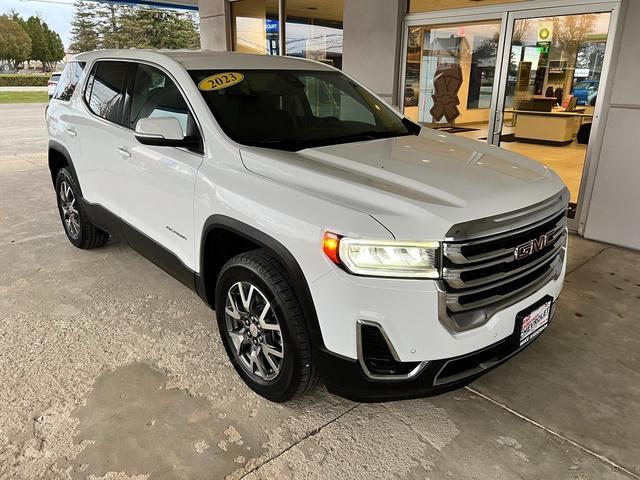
[[335, 239], [52, 83]]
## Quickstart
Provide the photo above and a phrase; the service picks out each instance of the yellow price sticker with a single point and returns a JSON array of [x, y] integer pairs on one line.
[[220, 81]]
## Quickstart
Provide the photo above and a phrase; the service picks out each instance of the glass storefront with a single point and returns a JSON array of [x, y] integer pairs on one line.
[[313, 29], [534, 92], [450, 74], [553, 78], [417, 6], [255, 26]]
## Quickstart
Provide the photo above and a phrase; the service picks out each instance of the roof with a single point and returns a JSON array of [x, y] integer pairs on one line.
[[207, 59]]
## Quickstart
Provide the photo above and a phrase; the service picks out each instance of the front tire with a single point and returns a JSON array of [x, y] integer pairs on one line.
[[80, 231], [262, 327]]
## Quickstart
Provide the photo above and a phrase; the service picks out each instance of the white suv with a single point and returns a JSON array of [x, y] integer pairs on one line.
[[334, 238]]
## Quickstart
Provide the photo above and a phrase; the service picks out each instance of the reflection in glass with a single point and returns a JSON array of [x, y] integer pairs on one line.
[[255, 26], [314, 29], [567, 61], [554, 73], [450, 73]]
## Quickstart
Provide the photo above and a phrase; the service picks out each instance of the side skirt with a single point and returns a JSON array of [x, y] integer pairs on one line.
[[141, 243]]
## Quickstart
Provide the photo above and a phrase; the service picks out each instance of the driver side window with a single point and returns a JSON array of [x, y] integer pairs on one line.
[[155, 95]]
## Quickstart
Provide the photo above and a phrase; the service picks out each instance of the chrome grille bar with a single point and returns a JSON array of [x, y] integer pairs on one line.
[[453, 251], [453, 276], [454, 299], [482, 273]]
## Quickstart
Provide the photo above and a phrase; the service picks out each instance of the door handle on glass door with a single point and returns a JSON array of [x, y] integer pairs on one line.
[[498, 123], [124, 152]]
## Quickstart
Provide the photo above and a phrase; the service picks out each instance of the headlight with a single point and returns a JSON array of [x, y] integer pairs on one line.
[[384, 258]]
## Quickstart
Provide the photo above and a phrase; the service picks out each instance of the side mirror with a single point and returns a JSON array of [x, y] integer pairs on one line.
[[163, 132]]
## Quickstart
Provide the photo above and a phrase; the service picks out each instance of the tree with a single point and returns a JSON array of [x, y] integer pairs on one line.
[[84, 31], [124, 26], [153, 28], [109, 26], [15, 44], [569, 34], [55, 49], [39, 46]]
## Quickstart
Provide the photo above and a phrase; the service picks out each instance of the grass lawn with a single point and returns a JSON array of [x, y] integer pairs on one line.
[[24, 97]]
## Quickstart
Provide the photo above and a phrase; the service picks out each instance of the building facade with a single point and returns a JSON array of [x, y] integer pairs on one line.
[[555, 80]]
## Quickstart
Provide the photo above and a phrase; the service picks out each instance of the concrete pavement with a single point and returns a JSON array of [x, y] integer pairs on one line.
[[109, 368]]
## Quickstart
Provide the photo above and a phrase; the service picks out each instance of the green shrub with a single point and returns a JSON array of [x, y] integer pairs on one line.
[[23, 80]]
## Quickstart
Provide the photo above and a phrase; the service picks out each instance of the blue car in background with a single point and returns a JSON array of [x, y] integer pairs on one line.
[[586, 91]]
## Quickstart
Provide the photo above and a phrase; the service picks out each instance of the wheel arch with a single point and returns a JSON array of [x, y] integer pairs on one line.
[[59, 157], [224, 237]]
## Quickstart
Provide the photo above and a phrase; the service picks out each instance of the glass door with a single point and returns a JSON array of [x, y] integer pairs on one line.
[[551, 77], [450, 74]]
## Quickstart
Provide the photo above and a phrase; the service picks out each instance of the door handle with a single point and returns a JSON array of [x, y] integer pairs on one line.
[[71, 132], [124, 152], [498, 123]]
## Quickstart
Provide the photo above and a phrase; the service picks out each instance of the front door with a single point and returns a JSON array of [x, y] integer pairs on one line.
[[158, 182]]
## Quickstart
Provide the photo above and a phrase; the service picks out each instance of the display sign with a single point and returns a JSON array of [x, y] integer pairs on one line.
[[220, 81], [271, 25], [545, 32]]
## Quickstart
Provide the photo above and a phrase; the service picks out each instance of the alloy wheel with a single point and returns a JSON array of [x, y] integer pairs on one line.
[[69, 210], [254, 331]]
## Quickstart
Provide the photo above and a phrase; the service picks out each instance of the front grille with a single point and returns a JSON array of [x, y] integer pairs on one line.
[[482, 275]]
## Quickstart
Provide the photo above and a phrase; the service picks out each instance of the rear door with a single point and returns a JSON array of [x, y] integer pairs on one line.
[[158, 182], [101, 132]]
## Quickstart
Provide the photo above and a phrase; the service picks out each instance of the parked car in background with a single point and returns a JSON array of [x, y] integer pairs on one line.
[[53, 83], [585, 91]]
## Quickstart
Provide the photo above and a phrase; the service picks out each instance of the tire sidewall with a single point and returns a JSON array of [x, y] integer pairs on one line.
[[65, 175], [282, 387]]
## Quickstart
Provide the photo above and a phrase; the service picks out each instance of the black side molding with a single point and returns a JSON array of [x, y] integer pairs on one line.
[[141, 243]]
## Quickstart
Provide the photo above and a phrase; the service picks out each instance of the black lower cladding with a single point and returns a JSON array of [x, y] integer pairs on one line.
[[145, 246], [344, 376]]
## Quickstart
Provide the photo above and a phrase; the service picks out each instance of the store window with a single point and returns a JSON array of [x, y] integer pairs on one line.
[[255, 26], [450, 73], [313, 28], [417, 6]]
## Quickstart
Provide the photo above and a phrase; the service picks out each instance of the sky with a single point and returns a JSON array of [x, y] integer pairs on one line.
[[56, 13]]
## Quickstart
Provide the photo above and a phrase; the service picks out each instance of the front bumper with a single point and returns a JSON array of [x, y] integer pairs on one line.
[[345, 376]]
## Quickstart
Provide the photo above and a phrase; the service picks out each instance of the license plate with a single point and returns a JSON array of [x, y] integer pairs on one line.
[[535, 322]]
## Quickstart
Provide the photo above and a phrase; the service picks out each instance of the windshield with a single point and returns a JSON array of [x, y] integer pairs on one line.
[[293, 110]]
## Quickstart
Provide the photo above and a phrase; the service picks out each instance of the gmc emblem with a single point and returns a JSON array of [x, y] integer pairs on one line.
[[532, 246]]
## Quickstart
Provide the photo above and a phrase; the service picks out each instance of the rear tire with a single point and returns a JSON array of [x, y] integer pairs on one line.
[[80, 231], [263, 328]]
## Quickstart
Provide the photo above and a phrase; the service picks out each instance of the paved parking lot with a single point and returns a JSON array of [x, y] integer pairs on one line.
[[111, 369]]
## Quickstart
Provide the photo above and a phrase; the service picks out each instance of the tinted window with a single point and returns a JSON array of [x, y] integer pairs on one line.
[[292, 110], [67, 80], [106, 89], [155, 95]]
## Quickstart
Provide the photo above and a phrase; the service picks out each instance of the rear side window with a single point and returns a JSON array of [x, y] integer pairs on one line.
[[155, 95], [105, 90], [68, 81]]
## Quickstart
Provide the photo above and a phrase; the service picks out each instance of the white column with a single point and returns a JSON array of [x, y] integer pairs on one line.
[[614, 216], [214, 27], [372, 44]]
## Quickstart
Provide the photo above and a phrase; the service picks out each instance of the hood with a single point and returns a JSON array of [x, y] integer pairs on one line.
[[417, 186]]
